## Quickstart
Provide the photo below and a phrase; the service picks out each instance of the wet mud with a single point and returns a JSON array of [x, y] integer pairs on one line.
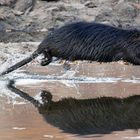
[[94, 81], [21, 22]]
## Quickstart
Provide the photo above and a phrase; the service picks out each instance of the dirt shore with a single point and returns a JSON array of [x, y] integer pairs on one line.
[[23, 25]]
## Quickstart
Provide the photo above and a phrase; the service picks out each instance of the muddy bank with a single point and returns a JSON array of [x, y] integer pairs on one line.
[[98, 79], [23, 25], [22, 121]]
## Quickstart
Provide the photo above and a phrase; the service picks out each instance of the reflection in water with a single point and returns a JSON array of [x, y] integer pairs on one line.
[[87, 116]]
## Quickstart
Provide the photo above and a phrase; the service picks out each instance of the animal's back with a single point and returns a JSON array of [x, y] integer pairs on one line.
[[87, 41]]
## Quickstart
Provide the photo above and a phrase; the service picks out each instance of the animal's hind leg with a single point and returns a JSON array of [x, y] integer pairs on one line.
[[66, 65], [47, 58], [131, 57], [118, 56], [135, 60]]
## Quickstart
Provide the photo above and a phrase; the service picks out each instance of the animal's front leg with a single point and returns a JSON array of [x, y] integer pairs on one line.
[[47, 59], [66, 65]]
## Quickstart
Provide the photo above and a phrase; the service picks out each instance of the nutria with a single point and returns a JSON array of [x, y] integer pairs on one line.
[[87, 116], [87, 41]]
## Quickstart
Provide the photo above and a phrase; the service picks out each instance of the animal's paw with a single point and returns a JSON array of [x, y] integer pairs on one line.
[[45, 62]]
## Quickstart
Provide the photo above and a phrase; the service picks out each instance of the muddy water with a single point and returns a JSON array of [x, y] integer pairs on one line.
[[20, 120]]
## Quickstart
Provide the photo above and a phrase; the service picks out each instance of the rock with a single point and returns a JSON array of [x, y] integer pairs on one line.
[[23, 6], [50, 0], [125, 12], [90, 4], [18, 13], [2, 17], [134, 1], [104, 15], [7, 2], [137, 21], [137, 6], [50, 14]]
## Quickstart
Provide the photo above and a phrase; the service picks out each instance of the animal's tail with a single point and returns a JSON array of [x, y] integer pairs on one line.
[[22, 94], [21, 63]]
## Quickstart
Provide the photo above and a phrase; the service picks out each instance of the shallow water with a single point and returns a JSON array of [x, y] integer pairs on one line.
[[21, 120]]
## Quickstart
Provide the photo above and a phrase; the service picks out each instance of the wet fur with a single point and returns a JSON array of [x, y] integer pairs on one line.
[[88, 41], [87, 116]]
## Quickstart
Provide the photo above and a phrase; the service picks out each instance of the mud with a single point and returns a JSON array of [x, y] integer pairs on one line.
[[20, 120], [23, 25]]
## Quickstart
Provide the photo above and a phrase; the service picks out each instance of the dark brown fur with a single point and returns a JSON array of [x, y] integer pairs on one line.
[[87, 41]]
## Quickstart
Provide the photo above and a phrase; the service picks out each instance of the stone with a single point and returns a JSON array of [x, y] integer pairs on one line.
[[7, 2], [24, 6], [90, 4]]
